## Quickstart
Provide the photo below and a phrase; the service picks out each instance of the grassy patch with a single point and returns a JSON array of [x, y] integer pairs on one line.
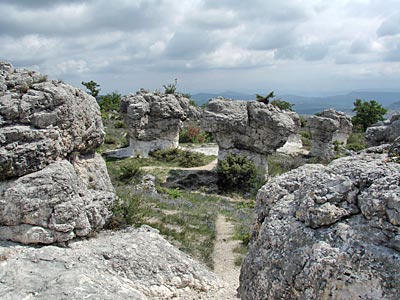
[[356, 141], [181, 158], [279, 163]]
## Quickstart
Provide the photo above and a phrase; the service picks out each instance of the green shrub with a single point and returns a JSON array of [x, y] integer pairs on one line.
[[129, 209], [110, 102], [356, 142], [367, 113], [236, 173], [174, 193], [306, 139], [130, 172], [180, 157], [109, 139], [171, 87], [282, 104], [119, 124]]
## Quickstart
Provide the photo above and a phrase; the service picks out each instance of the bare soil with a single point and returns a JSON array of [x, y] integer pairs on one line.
[[224, 258]]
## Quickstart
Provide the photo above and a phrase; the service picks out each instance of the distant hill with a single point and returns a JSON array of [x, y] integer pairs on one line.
[[312, 105]]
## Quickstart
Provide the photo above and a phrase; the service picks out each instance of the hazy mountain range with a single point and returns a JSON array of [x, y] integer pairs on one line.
[[312, 105]]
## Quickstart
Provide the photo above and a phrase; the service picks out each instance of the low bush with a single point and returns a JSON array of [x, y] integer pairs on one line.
[[181, 158], [236, 173], [129, 210], [130, 172], [194, 135], [306, 139], [356, 141]]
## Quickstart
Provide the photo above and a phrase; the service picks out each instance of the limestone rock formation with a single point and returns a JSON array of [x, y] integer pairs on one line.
[[153, 121], [248, 128], [383, 132], [327, 232], [129, 264], [53, 186], [326, 129]]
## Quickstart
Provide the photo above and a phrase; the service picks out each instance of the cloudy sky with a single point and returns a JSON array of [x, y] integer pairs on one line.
[[290, 46]]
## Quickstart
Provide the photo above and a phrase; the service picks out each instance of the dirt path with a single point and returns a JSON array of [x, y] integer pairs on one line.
[[224, 258], [208, 167]]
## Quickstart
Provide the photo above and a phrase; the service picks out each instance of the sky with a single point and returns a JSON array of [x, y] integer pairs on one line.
[[307, 47]]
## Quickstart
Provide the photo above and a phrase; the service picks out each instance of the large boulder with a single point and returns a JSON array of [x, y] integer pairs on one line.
[[327, 232], [330, 127], [53, 187], [153, 121], [383, 132], [128, 264], [248, 128]]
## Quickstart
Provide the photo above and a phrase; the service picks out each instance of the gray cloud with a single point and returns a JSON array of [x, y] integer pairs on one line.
[[156, 40], [311, 52], [391, 26], [190, 44]]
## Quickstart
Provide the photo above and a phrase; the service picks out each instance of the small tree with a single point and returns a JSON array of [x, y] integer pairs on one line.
[[110, 102], [92, 87], [266, 98], [282, 104], [236, 173], [170, 88], [367, 113]]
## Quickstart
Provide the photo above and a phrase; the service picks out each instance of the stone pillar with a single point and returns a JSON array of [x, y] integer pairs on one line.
[[326, 129], [249, 128]]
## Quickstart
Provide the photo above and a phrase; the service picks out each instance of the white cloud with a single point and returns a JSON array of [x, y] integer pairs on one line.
[[152, 40]]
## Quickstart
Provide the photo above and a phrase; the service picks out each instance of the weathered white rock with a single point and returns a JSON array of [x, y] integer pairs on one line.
[[53, 187], [383, 132], [43, 121], [326, 129], [248, 128], [128, 264], [153, 121], [327, 233]]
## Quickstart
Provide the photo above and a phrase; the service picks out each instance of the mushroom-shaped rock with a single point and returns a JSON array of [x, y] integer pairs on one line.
[[53, 186], [326, 129], [327, 232], [248, 128], [153, 121]]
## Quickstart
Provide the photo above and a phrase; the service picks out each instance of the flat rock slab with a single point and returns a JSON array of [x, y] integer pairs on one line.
[[128, 264]]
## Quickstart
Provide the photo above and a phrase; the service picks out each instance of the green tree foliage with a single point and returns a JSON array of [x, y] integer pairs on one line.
[[236, 173], [282, 104], [92, 87], [110, 102], [266, 98], [170, 88], [367, 113]]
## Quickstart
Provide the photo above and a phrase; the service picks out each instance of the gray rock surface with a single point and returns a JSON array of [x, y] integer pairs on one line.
[[248, 128], [328, 127], [42, 121], [153, 121], [327, 232], [128, 264], [383, 132], [53, 186]]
